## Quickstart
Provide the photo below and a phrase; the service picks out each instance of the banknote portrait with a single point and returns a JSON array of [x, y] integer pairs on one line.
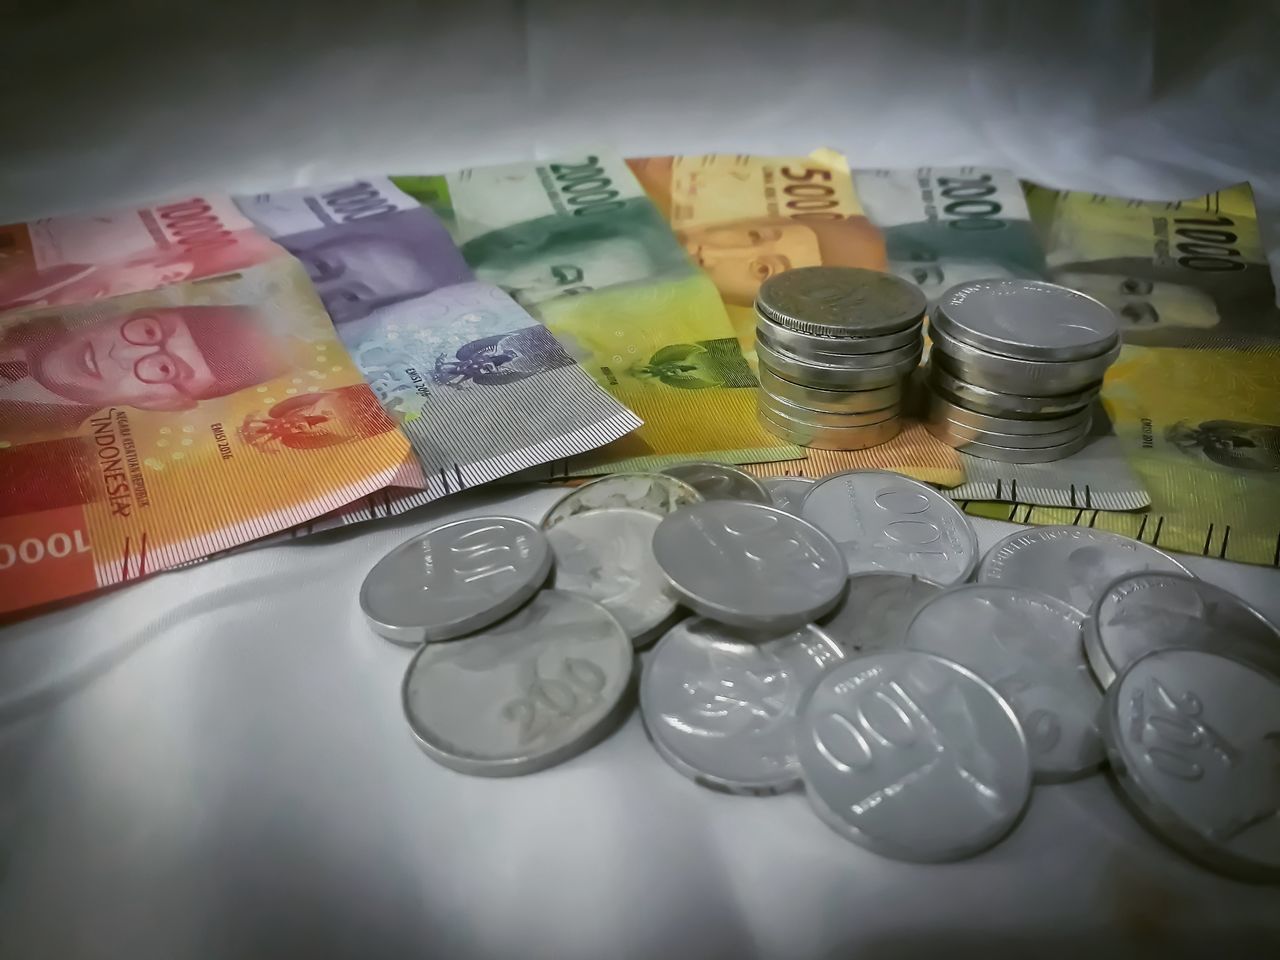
[[537, 260], [370, 263], [740, 255], [53, 376]]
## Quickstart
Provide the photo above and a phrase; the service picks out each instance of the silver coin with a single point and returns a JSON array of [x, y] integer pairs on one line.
[[912, 756], [830, 401], [787, 492], [454, 579], [607, 555], [1012, 375], [1074, 564], [822, 418], [890, 523], [1027, 645], [990, 451], [720, 705], [840, 301], [804, 344], [845, 363], [982, 400], [1191, 737], [828, 438], [876, 609], [829, 376], [719, 481], [1144, 612], [524, 694], [749, 565], [942, 409], [959, 436], [1030, 319], [655, 493]]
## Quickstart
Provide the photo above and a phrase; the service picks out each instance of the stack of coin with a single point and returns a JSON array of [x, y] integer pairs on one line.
[[835, 347], [1014, 368]]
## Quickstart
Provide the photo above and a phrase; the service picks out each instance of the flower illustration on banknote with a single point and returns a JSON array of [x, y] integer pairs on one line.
[[696, 366]]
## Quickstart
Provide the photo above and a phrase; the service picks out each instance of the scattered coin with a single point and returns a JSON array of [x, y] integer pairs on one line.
[[876, 609], [1192, 739], [1074, 564], [655, 493], [1026, 644], [524, 694], [887, 522], [720, 703], [1144, 612], [912, 756], [1030, 319], [787, 492], [840, 302], [719, 481], [454, 579], [607, 555], [749, 565]]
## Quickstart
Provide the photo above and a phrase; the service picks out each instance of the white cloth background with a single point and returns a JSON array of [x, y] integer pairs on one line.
[[213, 763]]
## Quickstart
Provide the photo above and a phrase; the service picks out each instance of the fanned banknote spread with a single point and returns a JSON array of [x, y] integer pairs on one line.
[[185, 377]]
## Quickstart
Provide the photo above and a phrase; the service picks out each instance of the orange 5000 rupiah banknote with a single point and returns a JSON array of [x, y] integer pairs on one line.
[[746, 218], [146, 430]]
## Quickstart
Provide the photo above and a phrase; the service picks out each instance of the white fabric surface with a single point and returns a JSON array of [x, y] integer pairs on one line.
[[213, 763]]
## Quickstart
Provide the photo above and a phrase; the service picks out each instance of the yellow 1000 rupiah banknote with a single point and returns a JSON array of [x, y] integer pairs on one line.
[[1194, 399], [746, 218], [142, 431], [578, 244]]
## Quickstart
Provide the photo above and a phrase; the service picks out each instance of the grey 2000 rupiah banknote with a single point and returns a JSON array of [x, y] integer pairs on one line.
[[947, 225], [1194, 399], [480, 387], [577, 242]]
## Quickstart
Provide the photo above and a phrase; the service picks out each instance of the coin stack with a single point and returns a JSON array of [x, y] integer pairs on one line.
[[1014, 368], [836, 346]]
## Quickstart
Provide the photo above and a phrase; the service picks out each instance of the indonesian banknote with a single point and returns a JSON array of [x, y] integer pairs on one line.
[[481, 388], [746, 218], [142, 431], [65, 260], [1194, 400], [577, 243], [949, 225]]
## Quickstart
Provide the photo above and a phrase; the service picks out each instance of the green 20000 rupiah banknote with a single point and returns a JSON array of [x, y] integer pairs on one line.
[[1194, 400], [578, 244]]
